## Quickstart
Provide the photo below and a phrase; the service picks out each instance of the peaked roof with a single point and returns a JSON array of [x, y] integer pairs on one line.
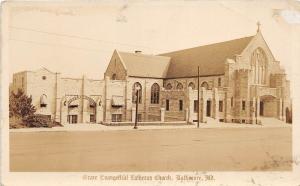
[[210, 58], [44, 68], [142, 65]]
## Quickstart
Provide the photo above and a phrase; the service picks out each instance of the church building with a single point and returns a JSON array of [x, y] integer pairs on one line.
[[240, 81]]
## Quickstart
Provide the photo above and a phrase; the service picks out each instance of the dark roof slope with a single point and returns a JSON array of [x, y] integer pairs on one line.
[[210, 58]]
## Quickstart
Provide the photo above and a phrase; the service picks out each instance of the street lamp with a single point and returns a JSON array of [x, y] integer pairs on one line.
[[137, 88]]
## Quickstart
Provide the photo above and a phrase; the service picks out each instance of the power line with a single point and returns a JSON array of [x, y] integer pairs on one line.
[[79, 37], [50, 44], [237, 12]]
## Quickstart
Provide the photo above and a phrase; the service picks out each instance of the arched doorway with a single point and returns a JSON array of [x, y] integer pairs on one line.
[[288, 114], [81, 109], [268, 106]]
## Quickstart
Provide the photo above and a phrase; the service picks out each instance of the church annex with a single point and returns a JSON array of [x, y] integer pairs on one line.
[[240, 82]]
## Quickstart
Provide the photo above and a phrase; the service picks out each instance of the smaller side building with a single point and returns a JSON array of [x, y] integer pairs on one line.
[[65, 100]]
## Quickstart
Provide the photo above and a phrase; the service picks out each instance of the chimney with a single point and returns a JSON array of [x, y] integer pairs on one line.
[[138, 52]]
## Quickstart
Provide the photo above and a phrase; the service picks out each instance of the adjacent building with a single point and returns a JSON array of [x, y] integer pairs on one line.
[[240, 81]]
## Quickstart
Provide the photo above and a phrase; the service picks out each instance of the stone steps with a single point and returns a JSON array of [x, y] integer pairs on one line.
[[271, 121]]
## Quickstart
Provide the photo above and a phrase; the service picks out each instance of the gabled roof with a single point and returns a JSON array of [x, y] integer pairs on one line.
[[34, 71], [44, 68], [141, 65], [210, 58]]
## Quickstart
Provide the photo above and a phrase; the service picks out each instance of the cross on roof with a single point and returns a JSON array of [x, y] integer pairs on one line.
[[258, 26]]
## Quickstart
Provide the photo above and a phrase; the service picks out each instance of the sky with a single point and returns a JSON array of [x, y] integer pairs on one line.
[[78, 39]]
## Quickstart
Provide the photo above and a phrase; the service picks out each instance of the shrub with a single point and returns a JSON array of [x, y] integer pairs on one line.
[[15, 123], [35, 121], [20, 105], [39, 121]]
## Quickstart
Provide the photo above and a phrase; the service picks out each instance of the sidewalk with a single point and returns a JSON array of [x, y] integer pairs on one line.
[[99, 127]]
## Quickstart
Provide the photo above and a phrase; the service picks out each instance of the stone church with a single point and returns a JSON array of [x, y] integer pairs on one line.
[[240, 81]]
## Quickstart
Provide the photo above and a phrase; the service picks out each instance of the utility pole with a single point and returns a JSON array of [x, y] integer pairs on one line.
[[136, 106], [198, 113]]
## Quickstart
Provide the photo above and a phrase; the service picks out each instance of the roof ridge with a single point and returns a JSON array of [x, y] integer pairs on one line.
[[143, 65], [210, 44], [211, 57], [143, 55]]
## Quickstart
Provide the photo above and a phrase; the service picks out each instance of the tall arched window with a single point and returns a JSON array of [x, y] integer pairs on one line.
[[205, 85], [169, 86], [258, 66], [253, 67], [155, 93], [179, 86], [192, 85], [136, 86]]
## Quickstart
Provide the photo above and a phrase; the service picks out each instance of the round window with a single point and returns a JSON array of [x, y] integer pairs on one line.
[[44, 77]]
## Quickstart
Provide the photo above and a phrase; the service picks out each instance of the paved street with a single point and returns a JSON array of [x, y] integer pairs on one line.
[[189, 149]]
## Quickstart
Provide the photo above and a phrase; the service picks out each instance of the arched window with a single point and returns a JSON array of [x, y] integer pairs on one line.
[[135, 88], [205, 85], [155, 93], [114, 77], [192, 85], [179, 86], [253, 67], [258, 66], [43, 100], [169, 86]]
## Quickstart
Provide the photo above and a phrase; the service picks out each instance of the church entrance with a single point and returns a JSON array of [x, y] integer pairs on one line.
[[268, 106], [261, 108], [288, 115], [208, 108]]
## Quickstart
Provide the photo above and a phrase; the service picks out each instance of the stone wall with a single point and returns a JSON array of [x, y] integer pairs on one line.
[[42, 82], [173, 96], [116, 67], [242, 99], [148, 111], [114, 88]]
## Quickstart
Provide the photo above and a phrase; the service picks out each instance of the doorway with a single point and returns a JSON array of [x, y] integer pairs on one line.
[[208, 108], [268, 106], [72, 119], [288, 115], [261, 108]]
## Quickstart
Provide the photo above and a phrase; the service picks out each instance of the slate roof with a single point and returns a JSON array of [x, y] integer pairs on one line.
[[210, 58], [142, 65]]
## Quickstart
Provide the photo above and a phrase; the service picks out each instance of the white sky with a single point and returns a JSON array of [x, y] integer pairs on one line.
[[77, 39]]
